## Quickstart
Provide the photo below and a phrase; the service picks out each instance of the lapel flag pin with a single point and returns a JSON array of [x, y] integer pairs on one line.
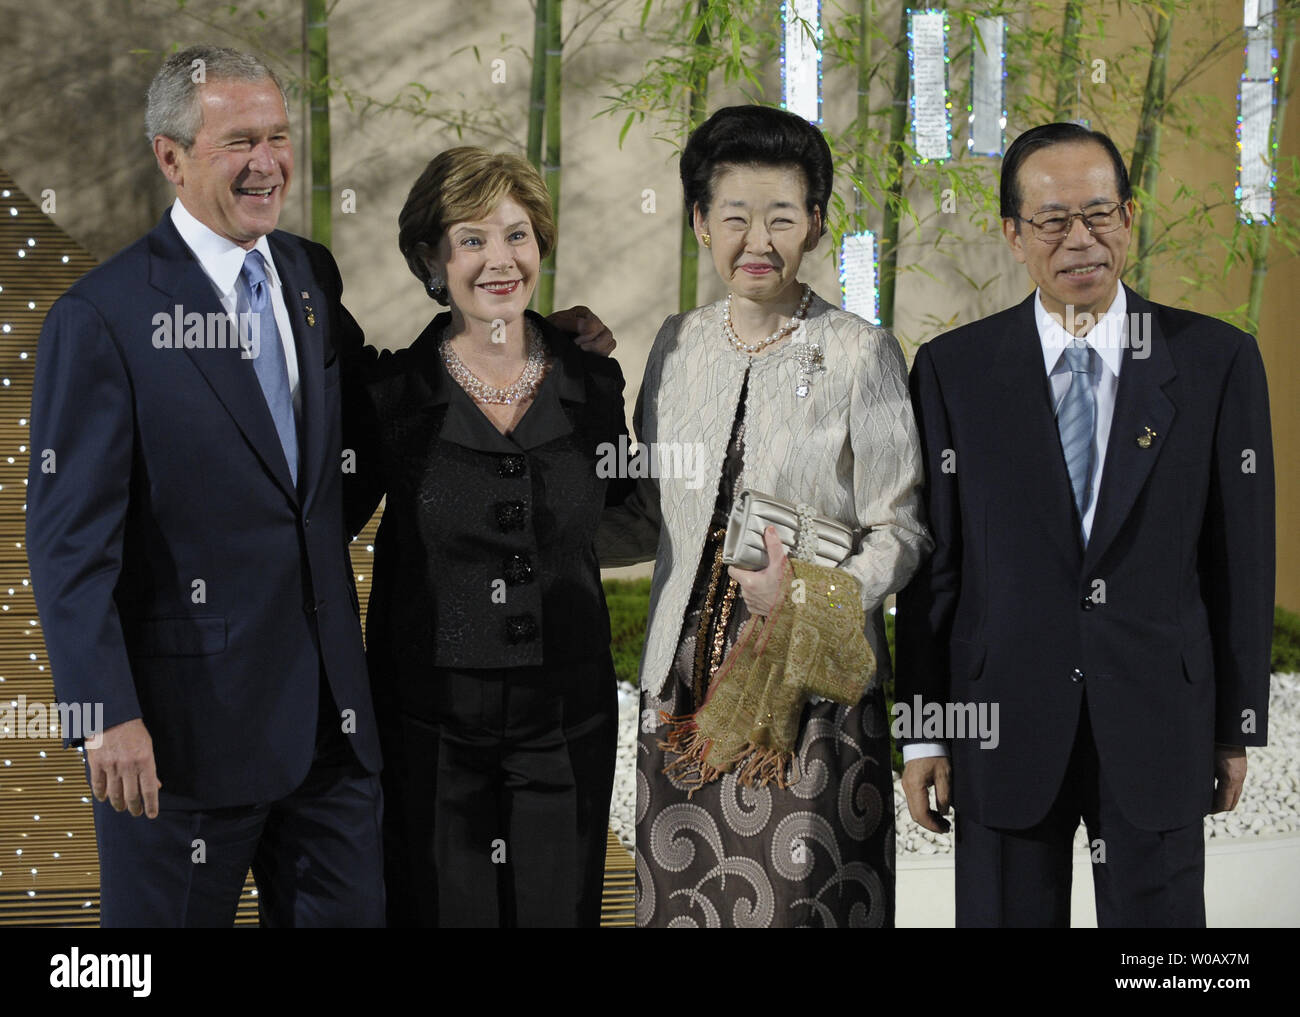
[[306, 295], [1144, 440]]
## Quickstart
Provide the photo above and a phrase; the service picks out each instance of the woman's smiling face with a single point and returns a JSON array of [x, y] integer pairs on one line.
[[490, 264], [759, 228]]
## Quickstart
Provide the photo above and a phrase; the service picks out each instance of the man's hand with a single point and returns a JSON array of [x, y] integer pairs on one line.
[[590, 332], [762, 589], [1229, 776], [122, 769], [919, 775]]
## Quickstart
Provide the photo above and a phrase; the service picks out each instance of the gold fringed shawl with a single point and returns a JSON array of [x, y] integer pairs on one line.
[[811, 645]]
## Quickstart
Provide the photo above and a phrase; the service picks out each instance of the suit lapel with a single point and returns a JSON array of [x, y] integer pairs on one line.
[[546, 420], [1025, 408], [309, 329], [176, 273], [1140, 404]]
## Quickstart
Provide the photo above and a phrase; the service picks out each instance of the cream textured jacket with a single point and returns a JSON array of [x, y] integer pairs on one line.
[[849, 448]]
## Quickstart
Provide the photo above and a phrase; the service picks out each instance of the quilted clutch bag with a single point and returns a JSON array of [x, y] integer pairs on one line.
[[806, 535]]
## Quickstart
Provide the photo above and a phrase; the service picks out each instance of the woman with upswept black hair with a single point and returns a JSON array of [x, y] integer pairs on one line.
[[764, 787]]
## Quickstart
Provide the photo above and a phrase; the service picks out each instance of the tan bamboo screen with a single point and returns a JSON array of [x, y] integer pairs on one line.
[[49, 873]]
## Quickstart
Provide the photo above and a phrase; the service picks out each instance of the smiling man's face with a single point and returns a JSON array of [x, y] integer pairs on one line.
[[1082, 270], [234, 178]]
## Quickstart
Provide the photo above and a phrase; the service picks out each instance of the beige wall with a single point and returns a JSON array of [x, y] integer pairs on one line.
[[71, 108]]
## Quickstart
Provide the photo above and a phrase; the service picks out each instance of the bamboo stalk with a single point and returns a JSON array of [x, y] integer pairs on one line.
[[551, 167], [1145, 167], [864, 100], [537, 86], [894, 192], [1067, 71], [689, 275], [1259, 255], [316, 33]]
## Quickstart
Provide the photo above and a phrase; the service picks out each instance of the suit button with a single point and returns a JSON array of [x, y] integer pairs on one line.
[[510, 515], [309, 606], [1076, 676], [518, 569], [512, 466], [520, 628], [306, 523], [1087, 604]]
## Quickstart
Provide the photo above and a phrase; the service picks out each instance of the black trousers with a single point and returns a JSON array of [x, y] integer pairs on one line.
[[315, 854], [1021, 878], [498, 785]]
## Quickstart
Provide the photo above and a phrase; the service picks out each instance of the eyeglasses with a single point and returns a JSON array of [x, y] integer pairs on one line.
[[1053, 227]]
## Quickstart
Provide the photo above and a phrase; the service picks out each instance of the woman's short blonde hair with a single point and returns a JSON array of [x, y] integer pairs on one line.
[[467, 183]]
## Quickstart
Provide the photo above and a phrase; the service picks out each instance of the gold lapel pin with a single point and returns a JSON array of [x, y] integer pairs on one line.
[[1144, 440], [311, 317]]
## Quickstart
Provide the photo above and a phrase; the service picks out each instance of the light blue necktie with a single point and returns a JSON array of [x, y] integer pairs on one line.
[[1076, 419], [269, 364]]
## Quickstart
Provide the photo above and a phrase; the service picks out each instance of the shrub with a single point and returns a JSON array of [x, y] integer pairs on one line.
[[1286, 641], [629, 604]]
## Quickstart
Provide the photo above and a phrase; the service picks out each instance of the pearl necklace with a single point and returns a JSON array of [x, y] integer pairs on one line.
[[524, 387], [743, 347]]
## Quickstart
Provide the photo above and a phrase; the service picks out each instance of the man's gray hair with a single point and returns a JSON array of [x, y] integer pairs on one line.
[[174, 111]]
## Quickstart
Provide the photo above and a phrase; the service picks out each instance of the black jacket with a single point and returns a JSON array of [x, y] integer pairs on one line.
[[1161, 625], [484, 557], [169, 471]]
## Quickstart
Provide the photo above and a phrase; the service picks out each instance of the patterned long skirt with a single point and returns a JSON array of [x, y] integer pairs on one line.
[[818, 853]]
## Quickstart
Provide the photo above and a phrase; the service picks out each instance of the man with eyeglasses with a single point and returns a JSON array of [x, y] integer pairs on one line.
[[1099, 481]]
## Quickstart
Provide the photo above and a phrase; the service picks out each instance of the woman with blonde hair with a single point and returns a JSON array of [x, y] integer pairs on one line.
[[487, 633]]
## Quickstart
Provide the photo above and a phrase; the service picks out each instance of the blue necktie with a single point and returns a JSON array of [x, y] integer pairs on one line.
[[269, 364], [1076, 419]]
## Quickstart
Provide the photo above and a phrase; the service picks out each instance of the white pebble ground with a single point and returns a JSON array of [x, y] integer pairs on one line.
[[622, 809], [1269, 805]]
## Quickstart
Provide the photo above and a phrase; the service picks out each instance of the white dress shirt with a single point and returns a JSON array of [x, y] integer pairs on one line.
[[222, 260], [1108, 338]]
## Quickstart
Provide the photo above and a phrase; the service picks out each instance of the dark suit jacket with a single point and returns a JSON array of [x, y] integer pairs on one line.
[[1172, 648], [484, 557], [179, 575]]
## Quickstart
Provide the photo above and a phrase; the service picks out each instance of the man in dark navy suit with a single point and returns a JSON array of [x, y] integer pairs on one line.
[[1099, 481], [186, 536]]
